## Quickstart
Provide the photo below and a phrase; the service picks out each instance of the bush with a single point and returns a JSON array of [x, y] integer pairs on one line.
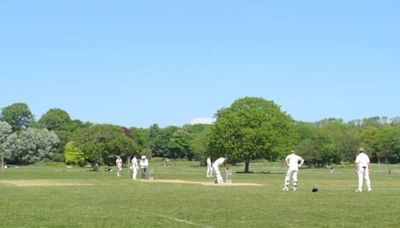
[[73, 155], [58, 157]]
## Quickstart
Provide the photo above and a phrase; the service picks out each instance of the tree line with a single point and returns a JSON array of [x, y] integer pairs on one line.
[[250, 129]]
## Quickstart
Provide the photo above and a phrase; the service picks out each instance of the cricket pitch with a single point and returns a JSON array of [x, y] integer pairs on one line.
[[204, 183]]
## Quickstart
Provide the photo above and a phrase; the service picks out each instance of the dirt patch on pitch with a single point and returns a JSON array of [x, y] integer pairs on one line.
[[204, 183], [40, 183]]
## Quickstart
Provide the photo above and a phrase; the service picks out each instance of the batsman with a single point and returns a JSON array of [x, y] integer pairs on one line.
[[216, 167]]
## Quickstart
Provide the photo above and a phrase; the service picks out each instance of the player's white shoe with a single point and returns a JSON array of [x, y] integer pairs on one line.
[[358, 190], [285, 189]]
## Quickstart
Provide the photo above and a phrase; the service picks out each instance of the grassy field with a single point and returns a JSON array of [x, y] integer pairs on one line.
[[53, 196]]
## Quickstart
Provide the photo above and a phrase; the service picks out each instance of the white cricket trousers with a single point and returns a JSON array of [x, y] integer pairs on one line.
[[134, 173], [209, 171], [291, 173], [363, 173], [218, 175]]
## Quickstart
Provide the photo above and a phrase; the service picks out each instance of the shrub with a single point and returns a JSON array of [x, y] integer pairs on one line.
[[58, 157], [73, 155]]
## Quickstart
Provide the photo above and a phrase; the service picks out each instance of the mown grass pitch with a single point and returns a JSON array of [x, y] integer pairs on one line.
[[46, 196]]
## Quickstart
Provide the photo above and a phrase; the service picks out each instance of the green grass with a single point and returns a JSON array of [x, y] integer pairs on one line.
[[119, 202]]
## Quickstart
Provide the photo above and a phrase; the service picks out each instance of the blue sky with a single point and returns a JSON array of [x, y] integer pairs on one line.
[[135, 63]]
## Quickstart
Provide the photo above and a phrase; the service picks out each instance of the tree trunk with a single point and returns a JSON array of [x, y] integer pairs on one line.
[[2, 162], [247, 166]]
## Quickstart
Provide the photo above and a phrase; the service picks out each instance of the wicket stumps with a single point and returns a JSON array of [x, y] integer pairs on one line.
[[229, 176], [151, 174]]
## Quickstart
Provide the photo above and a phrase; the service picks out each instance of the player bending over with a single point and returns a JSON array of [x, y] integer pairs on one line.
[[216, 167]]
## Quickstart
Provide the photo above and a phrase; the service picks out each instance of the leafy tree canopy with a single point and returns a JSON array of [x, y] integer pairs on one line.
[[55, 119], [179, 145], [30, 145], [252, 128], [5, 131], [18, 115], [101, 143]]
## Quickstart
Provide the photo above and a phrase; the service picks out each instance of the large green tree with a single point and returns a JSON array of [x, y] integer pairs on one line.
[[160, 138], [200, 140], [141, 137], [60, 122], [30, 145], [55, 119], [388, 144], [101, 143], [326, 141], [5, 131], [179, 145], [18, 115], [252, 128]]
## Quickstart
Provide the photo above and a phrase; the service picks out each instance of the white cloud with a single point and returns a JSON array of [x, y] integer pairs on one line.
[[202, 120]]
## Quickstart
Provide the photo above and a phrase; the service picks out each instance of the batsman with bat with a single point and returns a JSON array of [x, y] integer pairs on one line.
[[216, 167]]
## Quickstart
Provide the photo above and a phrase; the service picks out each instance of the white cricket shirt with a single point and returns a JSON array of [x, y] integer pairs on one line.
[[293, 161], [362, 160], [144, 163], [119, 162], [134, 163], [208, 162], [219, 162]]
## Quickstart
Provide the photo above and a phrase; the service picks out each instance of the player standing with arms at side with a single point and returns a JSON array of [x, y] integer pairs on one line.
[[293, 161], [363, 168], [135, 167], [118, 163], [209, 168], [144, 163]]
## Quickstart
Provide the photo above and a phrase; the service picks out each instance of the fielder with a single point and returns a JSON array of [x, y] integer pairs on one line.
[[209, 167], [216, 166], [293, 161], [144, 163], [135, 167], [118, 163], [363, 168]]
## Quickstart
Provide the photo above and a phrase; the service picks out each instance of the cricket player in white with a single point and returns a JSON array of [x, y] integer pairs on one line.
[[135, 167], [144, 163], [293, 162], [118, 163], [216, 166], [209, 168], [363, 168]]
